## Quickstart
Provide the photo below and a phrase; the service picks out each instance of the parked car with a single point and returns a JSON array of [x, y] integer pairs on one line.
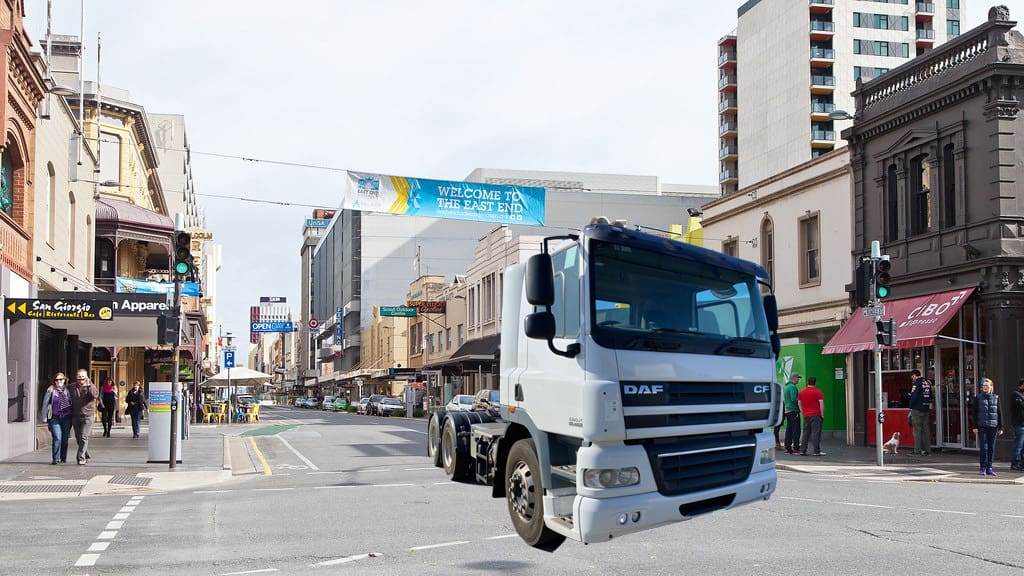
[[363, 403], [389, 405], [371, 407], [328, 403], [488, 400], [460, 403], [340, 404], [245, 399]]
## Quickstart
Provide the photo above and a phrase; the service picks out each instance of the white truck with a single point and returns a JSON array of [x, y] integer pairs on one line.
[[637, 389]]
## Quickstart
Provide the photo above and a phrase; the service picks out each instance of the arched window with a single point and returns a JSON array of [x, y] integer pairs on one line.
[[51, 202], [768, 247], [892, 205], [948, 186], [71, 228], [920, 195], [7, 183]]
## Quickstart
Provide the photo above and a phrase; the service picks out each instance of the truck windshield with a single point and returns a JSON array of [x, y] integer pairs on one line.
[[647, 300]]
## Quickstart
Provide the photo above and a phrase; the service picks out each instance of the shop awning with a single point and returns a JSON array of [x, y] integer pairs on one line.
[[133, 322], [918, 320]]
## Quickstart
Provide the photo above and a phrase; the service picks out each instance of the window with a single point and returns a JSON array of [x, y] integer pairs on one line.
[[768, 247], [461, 332], [566, 308], [110, 158], [71, 228], [430, 343], [730, 247], [7, 183], [920, 195], [448, 338], [810, 250], [948, 186], [471, 305], [892, 200], [953, 27], [50, 201], [487, 298], [954, 4]]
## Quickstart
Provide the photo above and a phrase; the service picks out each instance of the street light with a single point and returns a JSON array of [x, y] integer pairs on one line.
[[65, 91], [839, 115]]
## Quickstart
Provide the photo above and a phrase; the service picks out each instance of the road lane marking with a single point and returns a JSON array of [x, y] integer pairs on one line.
[[128, 509], [866, 505], [441, 545], [121, 516], [301, 457], [114, 525], [107, 535], [211, 491], [802, 499], [87, 560], [260, 571], [98, 546], [273, 489], [345, 559], [362, 486], [945, 511], [501, 537], [427, 468], [266, 467], [1011, 516]]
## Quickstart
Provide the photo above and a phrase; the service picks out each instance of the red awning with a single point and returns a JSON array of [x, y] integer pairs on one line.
[[918, 320]]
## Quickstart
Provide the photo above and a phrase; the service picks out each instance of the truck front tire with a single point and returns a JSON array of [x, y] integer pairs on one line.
[[524, 493]]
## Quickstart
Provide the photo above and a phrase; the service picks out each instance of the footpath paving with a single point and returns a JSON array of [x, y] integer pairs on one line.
[[842, 461], [119, 465]]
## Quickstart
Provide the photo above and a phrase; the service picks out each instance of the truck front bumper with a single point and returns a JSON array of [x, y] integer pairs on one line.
[[601, 519]]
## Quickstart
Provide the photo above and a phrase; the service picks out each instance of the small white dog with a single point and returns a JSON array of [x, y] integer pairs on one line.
[[893, 445]]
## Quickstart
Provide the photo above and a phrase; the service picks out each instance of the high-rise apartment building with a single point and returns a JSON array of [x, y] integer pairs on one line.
[[789, 64]]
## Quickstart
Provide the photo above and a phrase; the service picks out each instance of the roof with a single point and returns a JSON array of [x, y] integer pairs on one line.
[[479, 349], [120, 213]]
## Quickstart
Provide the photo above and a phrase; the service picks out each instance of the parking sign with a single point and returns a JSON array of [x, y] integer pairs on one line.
[[229, 359]]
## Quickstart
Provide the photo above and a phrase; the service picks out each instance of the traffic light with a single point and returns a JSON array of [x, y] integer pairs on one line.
[[863, 277], [882, 278], [182, 253], [167, 328], [885, 332]]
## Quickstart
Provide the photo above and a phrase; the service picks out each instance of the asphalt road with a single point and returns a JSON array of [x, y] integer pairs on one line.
[[339, 493]]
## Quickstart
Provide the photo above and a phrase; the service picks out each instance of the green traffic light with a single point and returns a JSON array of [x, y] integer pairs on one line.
[[181, 268], [883, 291]]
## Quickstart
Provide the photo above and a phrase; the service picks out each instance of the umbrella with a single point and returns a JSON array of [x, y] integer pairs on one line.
[[239, 377]]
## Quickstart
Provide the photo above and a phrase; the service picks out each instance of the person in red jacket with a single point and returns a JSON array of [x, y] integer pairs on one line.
[[812, 406]]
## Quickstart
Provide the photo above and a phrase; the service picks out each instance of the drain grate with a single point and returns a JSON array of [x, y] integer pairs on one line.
[[32, 488], [129, 479]]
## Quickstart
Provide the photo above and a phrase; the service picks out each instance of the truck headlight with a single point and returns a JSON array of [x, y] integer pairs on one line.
[[611, 477], [768, 455]]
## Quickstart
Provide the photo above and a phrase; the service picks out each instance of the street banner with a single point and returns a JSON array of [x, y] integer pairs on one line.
[[273, 327], [132, 285], [500, 203]]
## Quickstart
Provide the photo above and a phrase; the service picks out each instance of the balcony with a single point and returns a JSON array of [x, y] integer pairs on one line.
[[727, 105], [730, 176], [822, 56], [820, 6], [727, 152], [822, 84], [727, 82], [820, 110], [727, 129], [925, 7], [822, 138], [925, 37], [821, 29], [16, 245], [727, 59]]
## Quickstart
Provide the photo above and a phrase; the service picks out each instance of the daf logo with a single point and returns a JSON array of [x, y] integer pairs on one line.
[[761, 389], [643, 389]]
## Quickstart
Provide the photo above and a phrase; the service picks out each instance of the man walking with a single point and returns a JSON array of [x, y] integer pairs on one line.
[[920, 410], [1017, 412], [83, 412], [812, 405], [791, 410]]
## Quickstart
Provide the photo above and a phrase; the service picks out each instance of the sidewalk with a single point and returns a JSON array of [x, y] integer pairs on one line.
[[119, 466], [842, 461]]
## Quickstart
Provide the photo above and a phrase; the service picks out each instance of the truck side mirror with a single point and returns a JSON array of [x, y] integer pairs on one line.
[[771, 312], [540, 325], [776, 343], [540, 281]]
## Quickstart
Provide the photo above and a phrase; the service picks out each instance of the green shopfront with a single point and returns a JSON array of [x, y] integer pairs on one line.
[[830, 371]]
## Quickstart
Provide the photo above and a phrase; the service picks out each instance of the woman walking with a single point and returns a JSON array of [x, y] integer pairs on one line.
[[988, 422], [136, 404], [108, 404], [56, 413]]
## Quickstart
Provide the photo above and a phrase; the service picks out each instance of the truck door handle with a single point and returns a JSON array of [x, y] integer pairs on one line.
[[519, 392]]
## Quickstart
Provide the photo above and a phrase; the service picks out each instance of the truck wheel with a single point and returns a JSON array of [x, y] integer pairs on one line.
[[434, 440], [524, 492], [455, 464]]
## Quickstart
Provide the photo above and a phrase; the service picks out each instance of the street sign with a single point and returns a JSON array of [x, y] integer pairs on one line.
[[873, 311], [229, 359], [427, 306], [314, 323], [50, 309], [404, 311]]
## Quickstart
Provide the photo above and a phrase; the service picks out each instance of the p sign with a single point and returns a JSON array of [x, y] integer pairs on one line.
[[229, 359]]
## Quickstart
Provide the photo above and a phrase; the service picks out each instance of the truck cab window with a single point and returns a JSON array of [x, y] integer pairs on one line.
[[567, 293]]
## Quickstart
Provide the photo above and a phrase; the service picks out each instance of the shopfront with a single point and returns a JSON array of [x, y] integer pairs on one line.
[[938, 334]]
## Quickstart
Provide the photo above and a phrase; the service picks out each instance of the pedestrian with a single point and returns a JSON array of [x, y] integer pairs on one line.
[[135, 405], [108, 405], [56, 412], [920, 411], [812, 405], [1018, 427], [791, 411], [83, 411], [988, 422]]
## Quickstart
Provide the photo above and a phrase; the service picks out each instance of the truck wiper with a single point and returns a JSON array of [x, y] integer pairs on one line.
[[677, 331], [725, 346], [652, 343]]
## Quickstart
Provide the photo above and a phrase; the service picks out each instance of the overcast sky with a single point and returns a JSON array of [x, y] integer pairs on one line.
[[408, 87]]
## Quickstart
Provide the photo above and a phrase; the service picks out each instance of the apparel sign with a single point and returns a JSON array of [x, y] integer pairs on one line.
[[501, 203]]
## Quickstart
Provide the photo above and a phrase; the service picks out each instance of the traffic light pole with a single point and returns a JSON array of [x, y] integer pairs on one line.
[[879, 409], [173, 457]]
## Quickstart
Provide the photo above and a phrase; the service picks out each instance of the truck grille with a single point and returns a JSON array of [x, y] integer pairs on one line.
[[686, 465]]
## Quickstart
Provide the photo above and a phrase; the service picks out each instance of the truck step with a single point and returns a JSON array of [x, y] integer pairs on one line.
[[565, 521], [567, 472]]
